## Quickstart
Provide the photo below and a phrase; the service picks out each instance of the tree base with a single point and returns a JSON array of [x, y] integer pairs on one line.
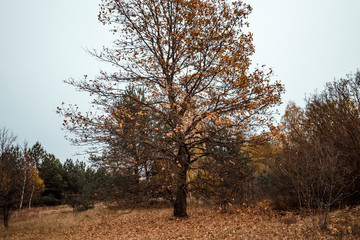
[[180, 214]]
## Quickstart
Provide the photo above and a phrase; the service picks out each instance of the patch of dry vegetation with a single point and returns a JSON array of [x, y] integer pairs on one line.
[[248, 223]]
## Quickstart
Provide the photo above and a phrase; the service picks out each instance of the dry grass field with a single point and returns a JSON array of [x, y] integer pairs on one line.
[[103, 223]]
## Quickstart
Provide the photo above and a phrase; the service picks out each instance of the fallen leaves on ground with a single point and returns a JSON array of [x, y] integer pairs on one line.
[[203, 223]]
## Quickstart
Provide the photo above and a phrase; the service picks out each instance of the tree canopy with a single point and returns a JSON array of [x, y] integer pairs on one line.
[[192, 60]]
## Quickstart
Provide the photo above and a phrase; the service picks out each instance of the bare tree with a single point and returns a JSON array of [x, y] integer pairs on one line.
[[7, 139], [320, 162]]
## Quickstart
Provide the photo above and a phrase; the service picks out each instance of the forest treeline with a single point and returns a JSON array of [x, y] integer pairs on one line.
[[311, 161], [30, 176]]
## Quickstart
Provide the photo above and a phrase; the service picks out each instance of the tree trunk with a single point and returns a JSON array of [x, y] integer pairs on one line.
[[23, 190], [181, 193], [31, 195], [6, 218], [180, 203]]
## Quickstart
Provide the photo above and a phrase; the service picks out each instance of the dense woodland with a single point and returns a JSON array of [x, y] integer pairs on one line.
[[187, 119]]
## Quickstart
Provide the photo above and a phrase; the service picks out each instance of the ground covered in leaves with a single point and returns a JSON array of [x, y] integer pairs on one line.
[[246, 223]]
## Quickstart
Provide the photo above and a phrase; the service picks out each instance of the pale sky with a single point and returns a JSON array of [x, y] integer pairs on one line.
[[307, 43]]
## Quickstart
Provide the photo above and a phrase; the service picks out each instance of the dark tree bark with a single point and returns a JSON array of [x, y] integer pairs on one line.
[[180, 204], [6, 215]]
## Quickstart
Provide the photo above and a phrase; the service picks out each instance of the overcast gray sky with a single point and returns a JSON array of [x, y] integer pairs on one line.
[[307, 43]]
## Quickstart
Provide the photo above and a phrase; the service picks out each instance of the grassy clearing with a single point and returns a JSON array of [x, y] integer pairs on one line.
[[103, 223]]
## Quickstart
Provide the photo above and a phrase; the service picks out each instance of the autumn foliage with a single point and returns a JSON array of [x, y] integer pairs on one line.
[[20, 182], [318, 164], [192, 60]]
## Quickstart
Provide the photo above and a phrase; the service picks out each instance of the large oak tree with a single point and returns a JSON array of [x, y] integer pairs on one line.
[[192, 59]]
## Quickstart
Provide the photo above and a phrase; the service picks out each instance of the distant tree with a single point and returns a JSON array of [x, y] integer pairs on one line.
[[81, 185], [52, 172], [11, 182], [18, 180], [103, 182], [10, 175], [55, 183], [193, 60], [223, 175], [27, 165], [35, 187], [32, 184], [333, 116], [36, 154], [320, 162]]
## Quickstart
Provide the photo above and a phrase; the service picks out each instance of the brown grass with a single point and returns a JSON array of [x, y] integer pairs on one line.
[[103, 223]]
